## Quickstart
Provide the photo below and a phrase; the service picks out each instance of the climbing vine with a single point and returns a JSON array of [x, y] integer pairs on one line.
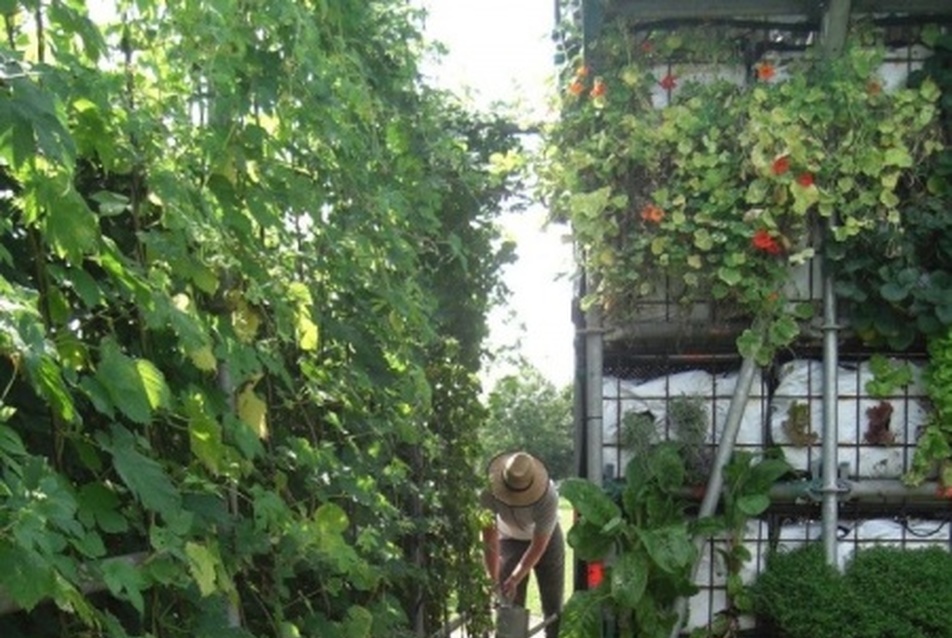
[[245, 261]]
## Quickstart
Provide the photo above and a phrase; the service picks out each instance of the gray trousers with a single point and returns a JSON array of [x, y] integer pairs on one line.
[[549, 573]]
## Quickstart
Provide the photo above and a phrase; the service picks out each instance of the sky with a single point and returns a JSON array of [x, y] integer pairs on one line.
[[501, 50]]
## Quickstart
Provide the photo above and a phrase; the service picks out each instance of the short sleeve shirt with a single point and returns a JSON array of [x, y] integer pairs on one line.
[[522, 523]]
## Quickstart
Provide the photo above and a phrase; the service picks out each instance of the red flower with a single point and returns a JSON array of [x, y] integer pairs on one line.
[[668, 82], [765, 242], [647, 46], [577, 87], [598, 89], [765, 71], [652, 213], [805, 179], [781, 165]]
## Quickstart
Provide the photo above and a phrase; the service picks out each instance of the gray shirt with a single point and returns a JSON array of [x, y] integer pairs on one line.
[[522, 523]]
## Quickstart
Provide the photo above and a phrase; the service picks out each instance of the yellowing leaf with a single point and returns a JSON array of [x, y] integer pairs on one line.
[[245, 321], [253, 411], [201, 564], [307, 332], [204, 359]]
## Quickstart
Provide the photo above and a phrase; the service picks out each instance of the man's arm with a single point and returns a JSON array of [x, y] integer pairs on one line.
[[491, 552], [526, 563]]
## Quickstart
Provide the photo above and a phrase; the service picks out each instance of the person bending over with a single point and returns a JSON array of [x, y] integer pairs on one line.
[[525, 535]]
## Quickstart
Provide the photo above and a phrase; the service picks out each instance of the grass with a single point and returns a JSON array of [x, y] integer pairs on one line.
[[532, 594]]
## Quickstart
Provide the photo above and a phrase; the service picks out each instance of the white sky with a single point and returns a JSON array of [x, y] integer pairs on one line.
[[501, 50]]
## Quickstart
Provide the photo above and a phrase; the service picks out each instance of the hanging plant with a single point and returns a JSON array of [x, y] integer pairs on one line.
[[705, 182]]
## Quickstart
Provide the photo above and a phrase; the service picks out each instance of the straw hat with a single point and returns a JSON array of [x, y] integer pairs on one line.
[[518, 479]]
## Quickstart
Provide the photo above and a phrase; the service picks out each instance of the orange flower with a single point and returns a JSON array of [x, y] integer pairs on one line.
[[652, 213], [765, 71], [765, 242], [577, 87], [668, 82], [598, 89], [781, 165], [581, 72], [805, 179]]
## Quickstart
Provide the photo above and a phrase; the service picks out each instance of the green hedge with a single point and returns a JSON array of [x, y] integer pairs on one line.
[[884, 592]]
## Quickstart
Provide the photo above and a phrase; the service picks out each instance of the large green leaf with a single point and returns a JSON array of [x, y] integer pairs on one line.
[[135, 386], [590, 500], [144, 476], [589, 541], [670, 548], [629, 578]]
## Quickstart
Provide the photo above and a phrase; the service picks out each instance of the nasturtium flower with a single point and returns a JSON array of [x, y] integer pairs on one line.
[[765, 71], [577, 87], [598, 88], [781, 165], [652, 213], [805, 179], [765, 242], [668, 82]]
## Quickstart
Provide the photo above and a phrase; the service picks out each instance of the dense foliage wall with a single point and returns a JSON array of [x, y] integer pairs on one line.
[[245, 261]]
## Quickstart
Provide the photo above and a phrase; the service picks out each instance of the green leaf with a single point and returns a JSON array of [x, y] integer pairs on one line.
[[99, 505], [588, 540], [582, 616], [629, 578], [753, 504], [898, 156], [666, 465], [204, 434], [135, 386], [110, 204], [670, 547], [730, 276], [331, 519], [358, 622], [202, 564], [26, 576], [143, 475], [590, 500], [124, 580]]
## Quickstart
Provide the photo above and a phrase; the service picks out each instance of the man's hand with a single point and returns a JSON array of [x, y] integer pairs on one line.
[[511, 584]]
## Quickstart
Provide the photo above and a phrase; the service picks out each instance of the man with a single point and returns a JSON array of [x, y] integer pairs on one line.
[[525, 535]]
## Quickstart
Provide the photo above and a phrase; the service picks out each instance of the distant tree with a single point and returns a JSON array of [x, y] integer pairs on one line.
[[528, 412]]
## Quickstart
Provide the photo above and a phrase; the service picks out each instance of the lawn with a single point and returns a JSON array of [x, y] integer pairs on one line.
[[532, 595]]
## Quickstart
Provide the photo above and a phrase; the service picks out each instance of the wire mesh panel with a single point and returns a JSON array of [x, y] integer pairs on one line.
[[877, 424]]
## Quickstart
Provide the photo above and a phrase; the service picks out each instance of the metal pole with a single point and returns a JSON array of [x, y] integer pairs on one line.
[[593, 395], [716, 481], [833, 39], [828, 471]]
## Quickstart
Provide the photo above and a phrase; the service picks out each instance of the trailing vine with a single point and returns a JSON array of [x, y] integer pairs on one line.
[[688, 175], [245, 262]]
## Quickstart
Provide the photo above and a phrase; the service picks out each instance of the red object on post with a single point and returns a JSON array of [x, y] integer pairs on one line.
[[594, 574]]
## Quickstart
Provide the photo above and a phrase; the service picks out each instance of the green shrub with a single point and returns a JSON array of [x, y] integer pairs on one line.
[[885, 592], [903, 593], [800, 596]]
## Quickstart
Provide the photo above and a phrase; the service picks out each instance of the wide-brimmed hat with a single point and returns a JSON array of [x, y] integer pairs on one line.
[[518, 478]]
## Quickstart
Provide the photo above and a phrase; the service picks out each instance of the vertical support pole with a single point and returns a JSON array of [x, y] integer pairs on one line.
[[593, 395], [829, 470], [833, 38]]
